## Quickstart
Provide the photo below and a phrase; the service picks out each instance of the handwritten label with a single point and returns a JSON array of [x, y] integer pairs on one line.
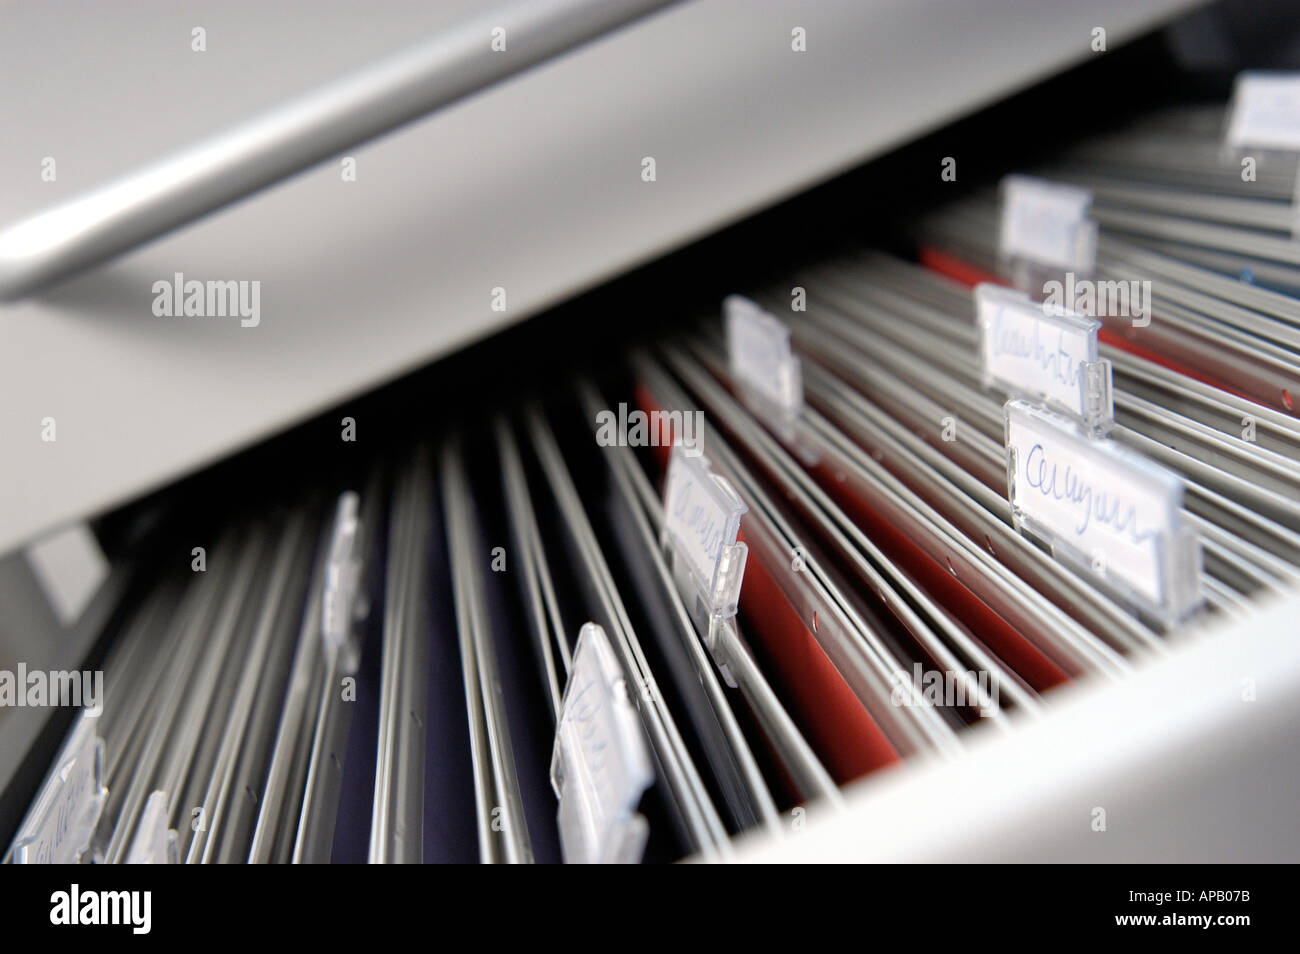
[[758, 346], [1035, 350], [601, 765], [701, 516], [60, 824], [1265, 112], [154, 842], [1047, 223], [1115, 509]]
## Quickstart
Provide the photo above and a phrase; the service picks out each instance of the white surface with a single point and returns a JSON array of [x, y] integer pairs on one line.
[[1265, 112], [534, 186], [1194, 759], [1047, 223], [1107, 503], [70, 567], [1036, 351]]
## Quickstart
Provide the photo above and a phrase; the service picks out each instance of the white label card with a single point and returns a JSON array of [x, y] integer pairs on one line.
[[1047, 223], [758, 345], [1036, 350], [701, 515], [601, 764], [1116, 510], [1265, 112]]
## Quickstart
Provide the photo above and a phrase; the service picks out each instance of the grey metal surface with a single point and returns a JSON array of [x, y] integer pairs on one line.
[[364, 280], [397, 819], [447, 66]]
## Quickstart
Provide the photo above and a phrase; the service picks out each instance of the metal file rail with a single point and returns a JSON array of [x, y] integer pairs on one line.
[[939, 633], [987, 414], [1224, 342], [730, 749], [898, 480], [307, 799], [932, 520], [892, 547], [942, 307], [502, 831], [844, 626], [1180, 150], [696, 814], [1246, 492], [397, 822], [225, 689]]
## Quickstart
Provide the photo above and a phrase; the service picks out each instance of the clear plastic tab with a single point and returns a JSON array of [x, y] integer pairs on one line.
[[1112, 514], [701, 523], [342, 581], [601, 764], [1264, 113], [758, 347], [1263, 123], [1044, 352], [1046, 224], [154, 842], [61, 822]]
